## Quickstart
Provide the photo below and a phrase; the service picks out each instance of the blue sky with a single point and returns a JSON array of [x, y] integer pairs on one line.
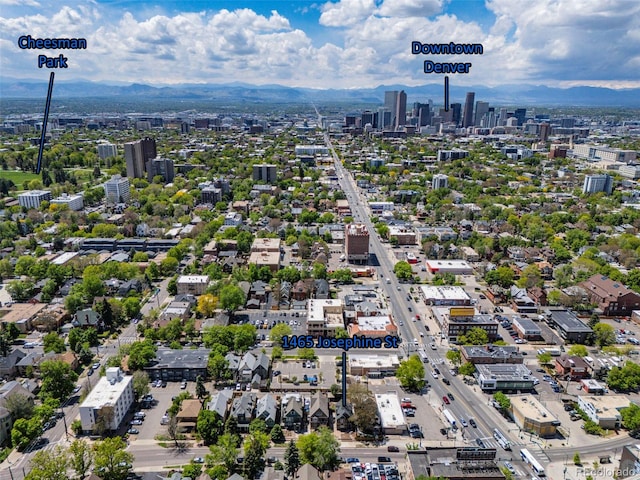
[[328, 44]]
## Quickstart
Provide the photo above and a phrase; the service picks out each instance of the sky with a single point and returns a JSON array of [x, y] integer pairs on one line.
[[332, 44]]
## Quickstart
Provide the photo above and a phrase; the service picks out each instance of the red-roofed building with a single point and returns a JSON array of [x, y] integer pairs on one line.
[[612, 298]]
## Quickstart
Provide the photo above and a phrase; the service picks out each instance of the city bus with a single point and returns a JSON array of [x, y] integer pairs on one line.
[[501, 439], [423, 355], [450, 418], [530, 459]]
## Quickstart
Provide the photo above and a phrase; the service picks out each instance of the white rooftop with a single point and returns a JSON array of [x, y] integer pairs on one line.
[[444, 292], [106, 391], [390, 411]]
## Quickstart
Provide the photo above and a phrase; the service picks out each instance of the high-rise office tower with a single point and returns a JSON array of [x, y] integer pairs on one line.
[[422, 113], [521, 115], [545, 128], [162, 167], [598, 183], [456, 108], [482, 108], [467, 116], [137, 154], [396, 103], [503, 117], [369, 117]]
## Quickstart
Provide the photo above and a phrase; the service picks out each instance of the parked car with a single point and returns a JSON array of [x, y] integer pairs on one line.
[[392, 448], [133, 431]]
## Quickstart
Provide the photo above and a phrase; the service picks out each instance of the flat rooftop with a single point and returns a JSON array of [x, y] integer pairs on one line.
[[106, 393], [373, 361], [504, 371], [444, 293], [532, 409], [390, 411], [568, 321]]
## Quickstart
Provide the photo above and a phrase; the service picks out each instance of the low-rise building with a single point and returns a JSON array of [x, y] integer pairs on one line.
[[373, 366], [373, 326], [605, 411], [108, 403], [6, 421], [532, 416], [324, 317], [461, 463], [526, 328], [491, 354], [506, 377], [572, 367], [457, 321], [444, 295], [192, 284], [454, 267], [390, 414], [176, 365]]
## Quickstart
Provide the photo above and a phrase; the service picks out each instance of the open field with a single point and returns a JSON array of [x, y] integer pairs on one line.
[[18, 177]]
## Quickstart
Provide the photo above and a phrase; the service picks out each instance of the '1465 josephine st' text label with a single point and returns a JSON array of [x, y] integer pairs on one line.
[[346, 344]]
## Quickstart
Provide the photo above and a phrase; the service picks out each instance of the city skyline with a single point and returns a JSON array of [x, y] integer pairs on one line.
[[343, 44]]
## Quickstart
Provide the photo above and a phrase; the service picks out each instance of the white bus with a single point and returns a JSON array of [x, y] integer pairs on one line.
[[530, 459], [450, 418], [423, 355], [501, 439]]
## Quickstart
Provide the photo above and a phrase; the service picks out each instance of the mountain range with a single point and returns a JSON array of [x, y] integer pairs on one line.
[[520, 95]]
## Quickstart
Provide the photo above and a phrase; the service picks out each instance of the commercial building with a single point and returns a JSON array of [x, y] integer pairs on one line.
[[356, 243], [265, 173], [390, 414], [506, 377], [526, 328], [598, 183], [379, 207], [455, 267], [373, 366], [532, 416], [630, 171], [596, 153], [439, 180], [162, 167], [467, 114], [629, 461], [568, 326], [396, 103], [137, 154], [266, 245], [33, 198], [108, 403], [324, 317], [445, 296], [73, 202], [612, 297], [117, 189], [461, 463], [457, 321], [404, 235], [106, 150], [192, 284], [491, 354], [373, 326], [604, 410]]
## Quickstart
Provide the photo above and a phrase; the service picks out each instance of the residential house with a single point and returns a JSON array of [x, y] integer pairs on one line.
[[521, 302], [6, 422], [242, 409], [87, 318], [300, 290], [9, 363], [308, 472], [253, 368], [344, 413], [319, 413], [267, 409], [293, 414], [219, 403], [321, 289], [132, 285], [187, 417], [571, 366], [612, 298], [538, 295]]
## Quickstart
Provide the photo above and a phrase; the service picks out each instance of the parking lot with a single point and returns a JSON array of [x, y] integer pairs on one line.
[[151, 426], [323, 369]]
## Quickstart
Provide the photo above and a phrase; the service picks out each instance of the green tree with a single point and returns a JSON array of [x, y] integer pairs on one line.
[[319, 449], [81, 457], [454, 356], [25, 431], [58, 380], [140, 354], [530, 277], [343, 276], [576, 459], [255, 447], [474, 336], [544, 359], [625, 378], [276, 434], [631, 418], [578, 350], [111, 459], [605, 334], [218, 367], [410, 373], [365, 410], [140, 383], [50, 464], [278, 331], [53, 343], [502, 400], [18, 405], [224, 452], [467, 369], [291, 459], [201, 391], [502, 276], [403, 270], [209, 426], [232, 298]]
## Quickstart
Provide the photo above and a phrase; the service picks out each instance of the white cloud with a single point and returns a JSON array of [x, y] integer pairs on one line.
[[346, 12], [21, 3], [410, 8]]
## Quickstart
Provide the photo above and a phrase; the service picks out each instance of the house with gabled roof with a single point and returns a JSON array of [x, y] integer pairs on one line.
[[242, 409], [219, 403], [267, 409], [319, 413], [292, 412], [612, 297], [344, 413]]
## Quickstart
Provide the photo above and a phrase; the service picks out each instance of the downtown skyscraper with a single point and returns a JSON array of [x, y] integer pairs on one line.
[[467, 115], [396, 103]]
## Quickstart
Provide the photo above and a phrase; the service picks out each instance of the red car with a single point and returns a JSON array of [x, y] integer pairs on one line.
[[445, 400]]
